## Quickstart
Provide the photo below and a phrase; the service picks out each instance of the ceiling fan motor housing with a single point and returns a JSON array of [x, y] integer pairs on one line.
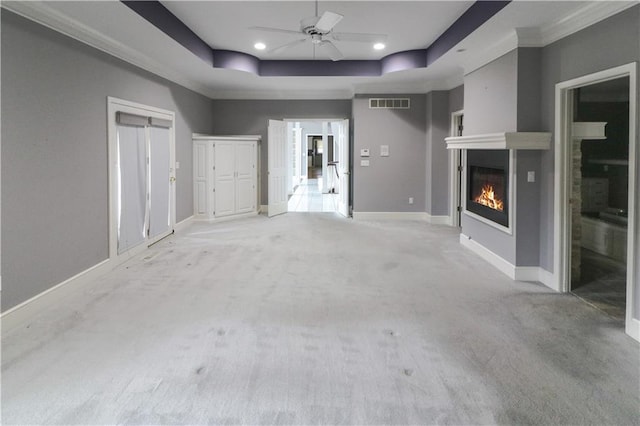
[[308, 26]]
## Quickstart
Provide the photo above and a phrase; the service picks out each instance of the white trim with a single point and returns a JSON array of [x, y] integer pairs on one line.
[[226, 218], [438, 220], [390, 216], [206, 137], [592, 13], [183, 224], [504, 140], [632, 328], [502, 265], [561, 219], [25, 311], [516, 273], [454, 175]]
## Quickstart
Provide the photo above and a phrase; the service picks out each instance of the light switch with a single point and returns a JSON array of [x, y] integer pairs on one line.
[[384, 150], [531, 176], [364, 163]]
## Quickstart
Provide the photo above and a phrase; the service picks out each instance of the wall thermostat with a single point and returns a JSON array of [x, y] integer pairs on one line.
[[364, 152]]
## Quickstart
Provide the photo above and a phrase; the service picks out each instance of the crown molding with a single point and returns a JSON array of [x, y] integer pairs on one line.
[[281, 95], [44, 15], [590, 14]]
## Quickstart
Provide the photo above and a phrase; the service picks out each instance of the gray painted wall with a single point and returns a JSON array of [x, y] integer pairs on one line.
[[387, 184], [251, 117], [490, 97], [607, 44], [529, 84], [456, 99], [504, 95], [437, 163], [54, 152]]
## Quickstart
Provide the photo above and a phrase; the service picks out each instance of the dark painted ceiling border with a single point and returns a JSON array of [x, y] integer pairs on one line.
[[158, 15]]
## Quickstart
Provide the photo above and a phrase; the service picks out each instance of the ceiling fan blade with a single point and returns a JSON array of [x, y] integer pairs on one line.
[[332, 51], [359, 37], [274, 30], [287, 46], [327, 21]]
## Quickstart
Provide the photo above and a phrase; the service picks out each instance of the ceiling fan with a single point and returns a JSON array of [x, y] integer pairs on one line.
[[319, 30]]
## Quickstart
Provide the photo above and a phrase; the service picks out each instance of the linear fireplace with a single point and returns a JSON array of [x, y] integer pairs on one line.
[[488, 185]]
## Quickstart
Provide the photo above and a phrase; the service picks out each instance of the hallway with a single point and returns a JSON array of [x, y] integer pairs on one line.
[[232, 323], [308, 197]]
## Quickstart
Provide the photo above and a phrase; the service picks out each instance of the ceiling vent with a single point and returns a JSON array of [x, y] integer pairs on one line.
[[389, 103]]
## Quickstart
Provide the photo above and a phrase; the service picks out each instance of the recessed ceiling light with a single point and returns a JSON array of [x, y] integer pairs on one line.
[[379, 46], [260, 46]]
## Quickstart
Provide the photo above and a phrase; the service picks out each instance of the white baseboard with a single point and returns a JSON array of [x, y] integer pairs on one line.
[[502, 265], [390, 216], [438, 220], [632, 328], [516, 273], [180, 226], [26, 310]]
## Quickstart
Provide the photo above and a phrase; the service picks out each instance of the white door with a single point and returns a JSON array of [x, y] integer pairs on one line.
[[278, 167], [343, 166], [224, 172], [245, 177], [159, 182], [200, 178]]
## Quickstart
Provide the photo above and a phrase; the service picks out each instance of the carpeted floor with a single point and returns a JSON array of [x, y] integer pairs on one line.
[[314, 319]]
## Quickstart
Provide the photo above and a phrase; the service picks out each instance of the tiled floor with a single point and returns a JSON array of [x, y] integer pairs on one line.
[[603, 284], [308, 197]]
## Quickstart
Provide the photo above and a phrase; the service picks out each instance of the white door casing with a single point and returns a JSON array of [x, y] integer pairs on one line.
[[562, 186], [343, 162], [277, 167]]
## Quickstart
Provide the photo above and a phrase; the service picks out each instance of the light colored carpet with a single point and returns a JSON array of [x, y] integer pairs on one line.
[[314, 319]]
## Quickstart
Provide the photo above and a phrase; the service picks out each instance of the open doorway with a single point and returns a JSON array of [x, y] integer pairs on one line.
[[600, 190], [455, 172], [595, 176], [316, 190]]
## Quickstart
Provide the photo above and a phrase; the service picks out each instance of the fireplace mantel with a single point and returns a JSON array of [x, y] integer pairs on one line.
[[504, 140]]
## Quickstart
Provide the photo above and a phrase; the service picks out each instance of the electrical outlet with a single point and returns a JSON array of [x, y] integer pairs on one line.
[[410, 200]]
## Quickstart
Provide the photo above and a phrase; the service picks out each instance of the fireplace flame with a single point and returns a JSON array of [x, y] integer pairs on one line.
[[488, 198]]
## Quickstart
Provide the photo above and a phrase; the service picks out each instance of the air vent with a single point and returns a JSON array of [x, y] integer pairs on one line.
[[389, 103]]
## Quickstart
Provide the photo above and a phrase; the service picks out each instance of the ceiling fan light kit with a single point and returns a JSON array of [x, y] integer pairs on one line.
[[319, 29]]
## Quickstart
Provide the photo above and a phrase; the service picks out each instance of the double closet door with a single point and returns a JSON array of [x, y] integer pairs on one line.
[[144, 180], [225, 176]]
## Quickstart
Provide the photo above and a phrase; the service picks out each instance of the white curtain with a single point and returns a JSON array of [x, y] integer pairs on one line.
[[131, 186], [159, 185]]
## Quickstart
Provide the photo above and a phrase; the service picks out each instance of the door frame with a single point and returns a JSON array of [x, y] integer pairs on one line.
[[114, 105], [325, 143], [562, 182], [455, 180]]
